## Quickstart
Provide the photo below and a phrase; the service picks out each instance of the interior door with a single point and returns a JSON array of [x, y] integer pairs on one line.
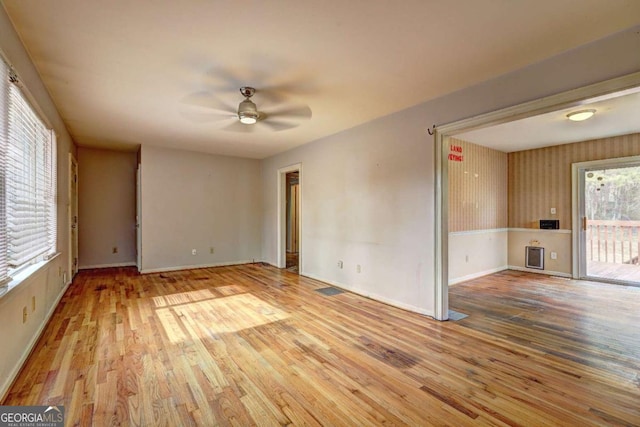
[[609, 209]]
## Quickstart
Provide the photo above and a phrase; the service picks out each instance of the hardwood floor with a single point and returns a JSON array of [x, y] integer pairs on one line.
[[253, 345]]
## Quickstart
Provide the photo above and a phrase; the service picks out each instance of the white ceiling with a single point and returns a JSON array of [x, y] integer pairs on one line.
[[124, 73], [615, 115]]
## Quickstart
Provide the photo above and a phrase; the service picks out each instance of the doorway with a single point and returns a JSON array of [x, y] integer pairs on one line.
[[138, 218], [293, 213], [609, 217], [289, 226], [598, 92], [73, 216]]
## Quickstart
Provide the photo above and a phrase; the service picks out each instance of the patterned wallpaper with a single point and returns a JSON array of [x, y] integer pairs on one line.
[[477, 187], [541, 179]]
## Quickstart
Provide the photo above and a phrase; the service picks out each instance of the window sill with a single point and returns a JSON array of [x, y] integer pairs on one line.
[[24, 275]]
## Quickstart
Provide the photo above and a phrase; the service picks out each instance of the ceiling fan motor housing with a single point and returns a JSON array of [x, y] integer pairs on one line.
[[247, 110]]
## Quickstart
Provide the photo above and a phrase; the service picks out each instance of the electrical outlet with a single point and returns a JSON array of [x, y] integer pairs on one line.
[[554, 255], [114, 250], [340, 264], [553, 211], [24, 315], [212, 250], [358, 269], [193, 252], [33, 303]]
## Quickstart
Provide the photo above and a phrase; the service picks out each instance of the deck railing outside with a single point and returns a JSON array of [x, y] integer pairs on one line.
[[616, 242]]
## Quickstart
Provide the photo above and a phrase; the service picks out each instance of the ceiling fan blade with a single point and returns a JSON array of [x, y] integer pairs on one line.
[[205, 117], [207, 100], [277, 125], [236, 126], [297, 112]]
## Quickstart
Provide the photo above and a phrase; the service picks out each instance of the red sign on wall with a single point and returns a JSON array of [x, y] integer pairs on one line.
[[455, 153]]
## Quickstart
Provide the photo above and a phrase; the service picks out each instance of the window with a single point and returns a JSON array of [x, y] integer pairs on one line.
[[27, 181]]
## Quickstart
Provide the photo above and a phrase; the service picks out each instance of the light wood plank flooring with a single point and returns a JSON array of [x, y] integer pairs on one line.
[[254, 345]]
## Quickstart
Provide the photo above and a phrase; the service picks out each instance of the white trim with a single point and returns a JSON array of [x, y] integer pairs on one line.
[[281, 228], [374, 297], [575, 97], [479, 274], [540, 230], [572, 98], [195, 267], [441, 229], [117, 264], [578, 169], [485, 231], [547, 272]]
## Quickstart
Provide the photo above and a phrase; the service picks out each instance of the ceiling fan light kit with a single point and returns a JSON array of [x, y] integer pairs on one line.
[[247, 110], [579, 116]]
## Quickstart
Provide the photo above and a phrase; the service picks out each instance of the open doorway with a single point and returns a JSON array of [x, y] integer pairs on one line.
[[289, 243], [293, 227], [541, 169], [73, 217]]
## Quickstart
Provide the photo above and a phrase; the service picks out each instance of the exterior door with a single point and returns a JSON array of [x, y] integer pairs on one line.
[[609, 203]]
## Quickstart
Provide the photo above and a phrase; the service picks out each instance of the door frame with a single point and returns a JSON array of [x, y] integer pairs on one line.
[[560, 101], [73, 217], [281, 226], [578, 170], [139, 217]]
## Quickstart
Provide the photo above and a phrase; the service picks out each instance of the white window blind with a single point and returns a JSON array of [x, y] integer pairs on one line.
[[28, 175], [4, 115]]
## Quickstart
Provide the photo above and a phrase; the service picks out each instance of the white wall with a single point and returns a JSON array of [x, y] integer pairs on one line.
[[365, 200], [198, 201], [368, 193], [106, 208], [48, 284], [476, 253]]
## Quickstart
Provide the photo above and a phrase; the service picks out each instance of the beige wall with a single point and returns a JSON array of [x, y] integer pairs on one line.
[[558, 241], [541, 179], [477, 188], [198, 201], [106, 208]]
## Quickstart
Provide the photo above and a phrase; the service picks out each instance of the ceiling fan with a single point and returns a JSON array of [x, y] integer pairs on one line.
[[246, 117]]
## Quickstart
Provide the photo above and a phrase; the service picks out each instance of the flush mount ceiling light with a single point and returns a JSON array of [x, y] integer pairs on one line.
[[247, 110], [578, 116]]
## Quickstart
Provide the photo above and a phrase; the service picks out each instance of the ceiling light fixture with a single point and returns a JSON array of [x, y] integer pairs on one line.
[[578, 116], [247, 110]]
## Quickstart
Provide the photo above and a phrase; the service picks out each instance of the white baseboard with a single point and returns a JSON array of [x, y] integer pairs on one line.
[[118, 264], [534, 270], [375, 297], [476, 275], [193, 267]]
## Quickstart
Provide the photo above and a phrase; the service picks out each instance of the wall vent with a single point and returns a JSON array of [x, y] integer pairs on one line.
[[534, 257]]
